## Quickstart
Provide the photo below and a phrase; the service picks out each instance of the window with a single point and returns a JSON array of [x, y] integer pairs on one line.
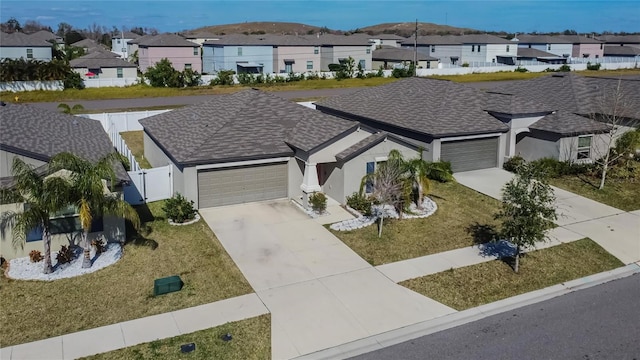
[[239, 51], [118, 41], [507, 48], [362, 64], [529, 46], [196, 51], [124, 49], [433, 48], [309, 65], [187, 66], [478, 48], [119, 73], [288, 67], [316, 50], [548, 47], [29, 53], [601, 46], [473, 48], [584, 147], [368, 50], [371, 167]]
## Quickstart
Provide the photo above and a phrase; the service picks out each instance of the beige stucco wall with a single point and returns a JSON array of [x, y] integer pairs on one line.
[[113, 231], [296, 173], [6, 162], [108, 73], [300, 54]]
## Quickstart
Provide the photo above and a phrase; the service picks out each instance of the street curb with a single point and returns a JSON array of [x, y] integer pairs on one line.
[[393, 337]]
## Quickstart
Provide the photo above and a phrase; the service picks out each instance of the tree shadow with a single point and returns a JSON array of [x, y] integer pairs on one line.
[[141, 236], [490, 242], [482, 233]]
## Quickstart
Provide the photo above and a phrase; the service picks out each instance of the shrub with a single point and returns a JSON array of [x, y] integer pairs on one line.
[[318, 202], [362, 203], [465, 64], [564, 68], [225, 77], [514, 163], [100, 245], [65, 255], [335, 67], [548, 167], [35, 256], [521, 69], [439, 171], [591, 66], [246, 79], [73, 80], [179, 209]]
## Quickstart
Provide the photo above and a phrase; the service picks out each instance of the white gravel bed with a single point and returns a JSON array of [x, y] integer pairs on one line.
[[428, 208], [24, 269]]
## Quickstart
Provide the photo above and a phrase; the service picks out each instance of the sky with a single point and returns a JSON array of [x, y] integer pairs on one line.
[[515, 16]]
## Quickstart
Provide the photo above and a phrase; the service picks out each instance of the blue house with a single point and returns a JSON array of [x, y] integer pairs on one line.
[[240, 53]]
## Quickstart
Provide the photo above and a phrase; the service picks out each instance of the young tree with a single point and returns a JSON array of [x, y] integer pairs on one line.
[[613, 107], [92, 197], [389, 186], [528, 210], [43, 197]]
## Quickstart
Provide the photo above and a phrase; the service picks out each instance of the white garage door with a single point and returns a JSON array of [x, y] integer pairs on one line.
[[474, 154], [239, 185]]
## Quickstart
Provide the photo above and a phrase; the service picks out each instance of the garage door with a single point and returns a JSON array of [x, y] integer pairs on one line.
[[239, 185], [468, 155]]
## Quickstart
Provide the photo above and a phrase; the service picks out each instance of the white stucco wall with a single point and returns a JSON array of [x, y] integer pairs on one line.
[[6, 162], [158, 158]]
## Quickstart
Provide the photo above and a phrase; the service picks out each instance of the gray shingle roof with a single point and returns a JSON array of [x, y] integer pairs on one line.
[[18, 39], [339, 40], [387, 37], [617, 50], [260, 40], [245, 125], [86, 43], [535, 53], [100, 60], [566, 124], [579, 39], [165, 40], [46, 35], [398, 54], [574, 93], [541, 39], [41, 134], [432, 107], [482, 39], [141, 38], [434, 40], [513, 105], [620, 39]]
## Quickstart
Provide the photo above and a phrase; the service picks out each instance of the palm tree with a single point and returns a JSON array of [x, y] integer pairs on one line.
[[66, 109], [415, 174], [44, 196], [92, 197]]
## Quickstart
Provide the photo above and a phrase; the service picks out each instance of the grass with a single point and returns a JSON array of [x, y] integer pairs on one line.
[[623, 195], [251, 340], [471, 286], [135, 143], [142, 91], [459, 208], [33, 310]]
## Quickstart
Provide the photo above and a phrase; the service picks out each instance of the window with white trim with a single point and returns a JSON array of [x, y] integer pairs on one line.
[[119, 73], [584, 147], [29, 53], [368, 50], [65, 221], [196, 51], [309, 64], [316, 50], [239, 51]]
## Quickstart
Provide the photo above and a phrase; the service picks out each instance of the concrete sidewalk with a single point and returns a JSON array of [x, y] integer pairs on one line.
[[138, 331], [615, 230]]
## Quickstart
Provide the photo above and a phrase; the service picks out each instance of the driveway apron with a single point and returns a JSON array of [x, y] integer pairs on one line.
[[615, 230], [320, 293]]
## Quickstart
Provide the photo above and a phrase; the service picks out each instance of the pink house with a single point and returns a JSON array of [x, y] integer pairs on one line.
[[183, 54], [585, 47]]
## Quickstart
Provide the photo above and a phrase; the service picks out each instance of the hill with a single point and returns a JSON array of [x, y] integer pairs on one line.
[[261, 27], [407, 29]]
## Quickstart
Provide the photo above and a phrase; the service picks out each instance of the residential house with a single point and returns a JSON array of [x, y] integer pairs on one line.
[[183, 54], [631, 52], [621, 40], [447, 48], [544, 117], [252, 146], [35, 135], [18, 45], [240, 53], [556, 45], [49, 37], [460, 49], [389, 57], [532, 54], [119, 43], [200, 37], [132, 47], [381, 40], [585, 47], [89, 46], [335, 49], [103, 65]]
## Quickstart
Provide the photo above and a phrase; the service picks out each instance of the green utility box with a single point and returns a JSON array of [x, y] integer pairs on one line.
[[167, 285]]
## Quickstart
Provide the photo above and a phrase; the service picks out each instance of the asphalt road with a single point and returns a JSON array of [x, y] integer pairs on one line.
[[189, 100], [602, 322]]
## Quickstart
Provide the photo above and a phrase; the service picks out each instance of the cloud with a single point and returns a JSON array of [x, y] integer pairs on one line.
[[43, 17]]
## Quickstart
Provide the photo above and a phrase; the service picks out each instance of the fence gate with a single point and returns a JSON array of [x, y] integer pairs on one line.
[[149, 185]]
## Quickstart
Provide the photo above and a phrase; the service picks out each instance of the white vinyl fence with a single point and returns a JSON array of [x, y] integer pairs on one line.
[[122, 121], [121, 82], [16, 86]]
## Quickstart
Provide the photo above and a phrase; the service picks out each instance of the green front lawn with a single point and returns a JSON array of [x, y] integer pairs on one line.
[[135, 143], [34, 310], [459, 208], [251, 340], [623, 195], [475, 285]]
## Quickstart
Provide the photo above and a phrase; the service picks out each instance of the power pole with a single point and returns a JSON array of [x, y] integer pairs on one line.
[[415, 51]]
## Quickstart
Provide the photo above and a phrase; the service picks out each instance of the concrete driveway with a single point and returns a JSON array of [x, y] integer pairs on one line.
[[615, 230], [319, 292]]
